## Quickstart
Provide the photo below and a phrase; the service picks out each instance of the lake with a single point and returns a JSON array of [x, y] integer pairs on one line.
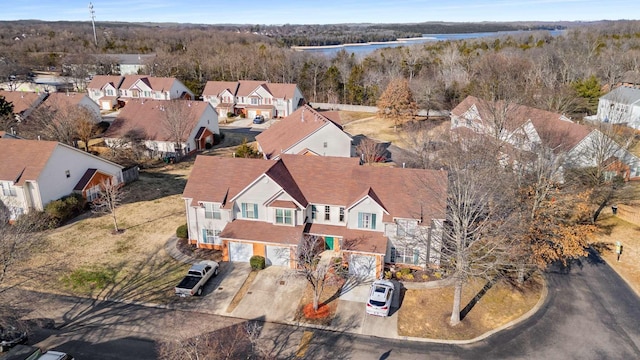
[[366, 48]]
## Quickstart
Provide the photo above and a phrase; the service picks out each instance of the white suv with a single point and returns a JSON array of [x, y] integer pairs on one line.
[[379, 302], [55, 355]]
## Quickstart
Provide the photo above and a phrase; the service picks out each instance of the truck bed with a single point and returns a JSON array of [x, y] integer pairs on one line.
[[188, 283]]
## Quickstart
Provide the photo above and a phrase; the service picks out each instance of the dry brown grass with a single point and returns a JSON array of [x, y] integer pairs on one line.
[[375, 128], [612, 229], [143, 270], [349, 116], [426, 312]]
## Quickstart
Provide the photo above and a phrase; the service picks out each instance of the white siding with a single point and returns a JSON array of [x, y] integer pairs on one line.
[[262, 189], [338, 142], [365, 206]]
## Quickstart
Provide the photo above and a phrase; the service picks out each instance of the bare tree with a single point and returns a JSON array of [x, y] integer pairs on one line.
[[311, 266], [475, 240], [16, 238], [178, 120], [57, 122], [109, 199], [370, 151]]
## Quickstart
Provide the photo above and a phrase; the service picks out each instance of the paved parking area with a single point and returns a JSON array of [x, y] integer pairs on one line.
[[351, 315], [248, 123], [273, 296]]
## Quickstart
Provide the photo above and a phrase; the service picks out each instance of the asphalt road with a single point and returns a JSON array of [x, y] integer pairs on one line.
[[590, 313]]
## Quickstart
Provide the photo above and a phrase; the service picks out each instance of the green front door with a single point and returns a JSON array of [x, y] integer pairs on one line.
[[328, 243]]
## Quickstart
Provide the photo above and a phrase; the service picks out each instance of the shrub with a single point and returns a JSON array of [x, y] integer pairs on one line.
[[405, 271], [65, 208], [408, 276], [438, 275], [387, 275], [208, 145], [425, 277], [217, 138], [182, 232], [257, 262], [398, 275], [36, 221], [231, 115]]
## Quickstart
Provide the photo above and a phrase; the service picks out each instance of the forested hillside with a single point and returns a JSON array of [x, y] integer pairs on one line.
[[555, 73]]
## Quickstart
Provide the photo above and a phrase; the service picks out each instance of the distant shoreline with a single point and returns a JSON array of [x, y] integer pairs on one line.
[[399, 41]]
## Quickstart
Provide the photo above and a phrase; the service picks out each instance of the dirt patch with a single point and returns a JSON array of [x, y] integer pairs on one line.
[[426, 312], [203, 254], [242, 291], [612, 229]]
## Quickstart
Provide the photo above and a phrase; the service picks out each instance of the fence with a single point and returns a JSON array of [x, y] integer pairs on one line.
[[629, 213], [130, 174], [372, 109]]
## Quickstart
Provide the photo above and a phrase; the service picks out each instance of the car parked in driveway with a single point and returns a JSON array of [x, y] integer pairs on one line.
[[380, 296], [259, 119], [197, 277], [55, 355]]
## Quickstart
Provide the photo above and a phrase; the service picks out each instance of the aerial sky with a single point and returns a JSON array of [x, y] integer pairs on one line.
[[270, 12]]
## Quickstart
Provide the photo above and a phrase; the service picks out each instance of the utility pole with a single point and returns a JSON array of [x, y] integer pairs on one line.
[[93, 23]]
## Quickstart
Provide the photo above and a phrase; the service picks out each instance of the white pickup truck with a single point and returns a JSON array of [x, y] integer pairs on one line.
[[196, 278]]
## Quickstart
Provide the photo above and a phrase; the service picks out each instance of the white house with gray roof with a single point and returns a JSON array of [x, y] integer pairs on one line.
[[620, 106]]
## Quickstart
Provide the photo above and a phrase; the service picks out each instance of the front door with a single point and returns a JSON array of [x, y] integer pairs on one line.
[[328, 243]]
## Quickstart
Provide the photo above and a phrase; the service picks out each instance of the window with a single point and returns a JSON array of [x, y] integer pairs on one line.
[[255, 101], [327, 213], [147, 93], [405, 228], [249, 210], [212, 211], [341, 214], [405, 255], [284, 216], [325, 144], [314, 212], [366, 220], [7, 189], [110, 92], [93, 193], [211, 236]]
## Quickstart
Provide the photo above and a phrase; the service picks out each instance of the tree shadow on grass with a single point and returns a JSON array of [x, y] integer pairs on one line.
[[465, 311], [153, 185]]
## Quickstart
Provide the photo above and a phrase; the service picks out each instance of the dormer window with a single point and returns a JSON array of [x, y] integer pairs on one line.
[[366, 220], [249, 210], [284, 216]]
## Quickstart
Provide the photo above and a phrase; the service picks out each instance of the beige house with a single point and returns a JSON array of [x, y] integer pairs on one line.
[[368, 215]]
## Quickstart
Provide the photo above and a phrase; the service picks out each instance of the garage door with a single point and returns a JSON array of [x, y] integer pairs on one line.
[[278, 255], [251, 114], [240, 252], [362, 266]]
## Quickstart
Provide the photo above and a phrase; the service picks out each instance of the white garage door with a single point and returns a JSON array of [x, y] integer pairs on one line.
[[240, 252], [278, 255], [362, 266], [251, 114]]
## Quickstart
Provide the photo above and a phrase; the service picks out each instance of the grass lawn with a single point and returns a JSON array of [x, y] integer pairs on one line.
[[86, 258], [612, 229], [426, 312]]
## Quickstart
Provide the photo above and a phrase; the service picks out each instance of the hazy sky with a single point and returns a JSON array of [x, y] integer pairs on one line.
[[321, 11]]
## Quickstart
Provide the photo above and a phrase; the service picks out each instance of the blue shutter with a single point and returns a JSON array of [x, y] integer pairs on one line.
[[204, 235], [244, 210], [255, 211], [373, 221], [360, 220], [393, 254], [416, 257]]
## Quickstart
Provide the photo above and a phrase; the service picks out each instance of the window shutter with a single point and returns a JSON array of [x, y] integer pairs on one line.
[[360, 220], [393, 254], [416, 257], [244, 210], [373, 221], [204, 235], [255, 211]]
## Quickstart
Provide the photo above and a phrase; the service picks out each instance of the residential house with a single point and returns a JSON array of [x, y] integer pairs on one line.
[[158, 124], [33, 173], [23, 102], [104, 90], [132, 64], [369, 215], [620, 106], [153, 88], [524, 128], [67, 101], [305, 132], [251, 98]]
